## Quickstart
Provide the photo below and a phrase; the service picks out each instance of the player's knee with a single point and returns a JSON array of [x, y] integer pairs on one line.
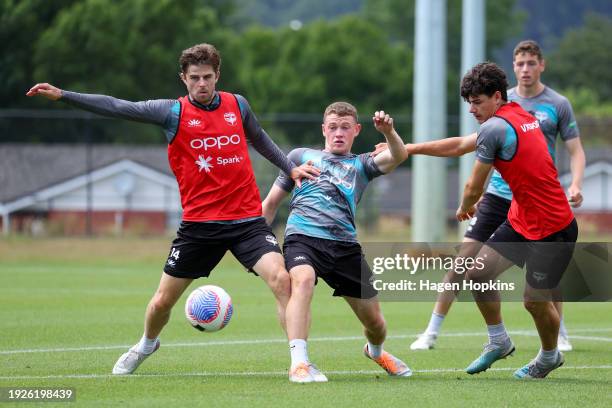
[[161, 303], [283, 282], [302, 283], [535, 308], [477, 276], [279, 281]]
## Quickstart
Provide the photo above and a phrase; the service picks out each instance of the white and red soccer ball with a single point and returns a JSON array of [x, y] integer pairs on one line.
[[209, 308]]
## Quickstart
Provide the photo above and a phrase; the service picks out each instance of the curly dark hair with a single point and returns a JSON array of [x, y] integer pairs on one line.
[[484, 78], [200, 54]]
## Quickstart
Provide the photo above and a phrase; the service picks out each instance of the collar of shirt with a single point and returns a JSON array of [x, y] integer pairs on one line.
[[214, 104]]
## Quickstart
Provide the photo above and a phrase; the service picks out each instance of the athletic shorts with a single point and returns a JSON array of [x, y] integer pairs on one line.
[[546, 259], [340, 264], [491, 212], [199, 246]]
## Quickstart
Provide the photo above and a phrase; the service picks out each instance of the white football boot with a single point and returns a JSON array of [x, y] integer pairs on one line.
[[129, 362]]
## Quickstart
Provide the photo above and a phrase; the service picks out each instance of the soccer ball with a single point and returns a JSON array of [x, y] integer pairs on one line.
[[209, 308]]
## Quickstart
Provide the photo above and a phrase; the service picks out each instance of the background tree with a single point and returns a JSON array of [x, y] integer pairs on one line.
[[584, 58], [21, 24], [503, 20], [548, 20], [579, 68], [128, 49], [285, 71], [276, 13]]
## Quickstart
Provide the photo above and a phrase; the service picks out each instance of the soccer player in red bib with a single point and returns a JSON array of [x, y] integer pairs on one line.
[[207, 132], [557, 121], [540, 226]]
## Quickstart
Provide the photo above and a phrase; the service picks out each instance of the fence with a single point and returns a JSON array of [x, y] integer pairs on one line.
[[90, 143]]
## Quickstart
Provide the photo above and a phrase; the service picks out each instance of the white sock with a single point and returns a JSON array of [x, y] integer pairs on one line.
[[562, 329], [435, 322], [145, 345], [547, 357], [299, 352], [375, 350], [498, 333]]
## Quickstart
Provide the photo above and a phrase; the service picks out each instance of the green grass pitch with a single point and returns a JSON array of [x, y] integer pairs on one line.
[[69, 308]]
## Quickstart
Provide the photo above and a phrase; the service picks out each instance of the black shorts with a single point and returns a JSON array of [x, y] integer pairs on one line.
[[491, 212], [340, 264], [199, 246], [546, 259]]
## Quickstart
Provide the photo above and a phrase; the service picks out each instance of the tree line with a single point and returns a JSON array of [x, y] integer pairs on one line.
[[129, 49]]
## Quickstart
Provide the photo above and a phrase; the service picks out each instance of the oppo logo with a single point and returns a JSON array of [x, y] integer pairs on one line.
[[218, 142]]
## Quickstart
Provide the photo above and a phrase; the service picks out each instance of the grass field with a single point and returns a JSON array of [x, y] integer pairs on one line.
[[70, 307]]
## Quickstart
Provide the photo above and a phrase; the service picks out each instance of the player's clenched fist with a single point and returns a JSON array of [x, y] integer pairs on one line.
[[383, 122]]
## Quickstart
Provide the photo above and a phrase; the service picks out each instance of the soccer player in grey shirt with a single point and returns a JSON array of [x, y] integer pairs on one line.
[[554, 112], [321, 240]]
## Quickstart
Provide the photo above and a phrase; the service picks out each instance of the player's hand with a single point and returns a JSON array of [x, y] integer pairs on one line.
[[379, 148], [464, 215], [305, 171], [383, 122], [47, 90], [575, 196]]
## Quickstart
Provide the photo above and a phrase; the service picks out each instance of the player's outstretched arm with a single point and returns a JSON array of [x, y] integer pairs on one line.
[[152, 111], [270, 204], [396, 153], [449, 147], [47, 90]]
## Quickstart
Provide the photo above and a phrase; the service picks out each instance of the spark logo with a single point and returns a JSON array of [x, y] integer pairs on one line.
[[230, 117], [230, 160], [194, 123], [204, 163]]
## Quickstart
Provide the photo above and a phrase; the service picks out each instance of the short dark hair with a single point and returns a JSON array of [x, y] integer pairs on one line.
[[529, 47], [484, 78], [200, 54], [341, 109]]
